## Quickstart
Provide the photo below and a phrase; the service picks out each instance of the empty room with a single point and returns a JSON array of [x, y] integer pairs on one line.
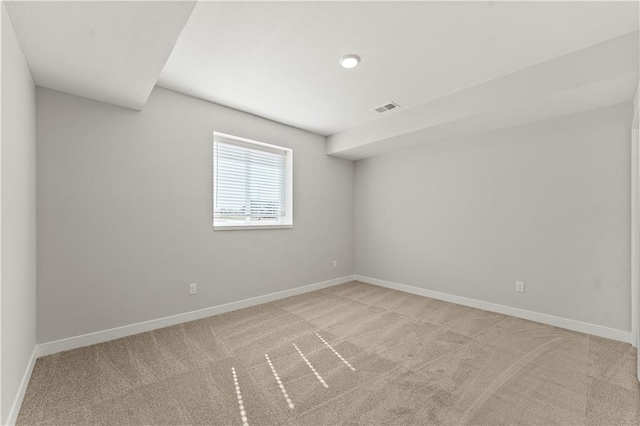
[[319, 213]]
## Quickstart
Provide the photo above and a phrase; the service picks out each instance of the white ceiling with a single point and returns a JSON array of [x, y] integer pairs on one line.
[[454, 67], [109, 51], [600, 75], [280, 60]]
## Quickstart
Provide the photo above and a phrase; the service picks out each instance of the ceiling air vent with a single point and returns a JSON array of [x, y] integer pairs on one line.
[[388, 107]]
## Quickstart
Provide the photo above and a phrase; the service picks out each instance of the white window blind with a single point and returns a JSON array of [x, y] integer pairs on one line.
[[249, 183]]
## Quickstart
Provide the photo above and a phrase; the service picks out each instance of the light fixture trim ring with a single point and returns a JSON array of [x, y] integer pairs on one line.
[[350, 61]]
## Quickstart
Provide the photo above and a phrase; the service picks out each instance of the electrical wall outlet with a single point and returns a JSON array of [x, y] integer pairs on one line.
[[520, 286], [193, 288], [335, 264]]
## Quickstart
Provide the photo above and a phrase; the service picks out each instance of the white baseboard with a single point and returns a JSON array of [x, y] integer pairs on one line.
[[17, 402], [582, 327], [141, 327]]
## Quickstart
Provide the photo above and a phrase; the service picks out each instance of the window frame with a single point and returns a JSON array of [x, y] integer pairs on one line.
[[286, 221]]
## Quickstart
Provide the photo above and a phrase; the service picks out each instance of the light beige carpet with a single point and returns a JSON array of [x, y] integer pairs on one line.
[[397, 359]]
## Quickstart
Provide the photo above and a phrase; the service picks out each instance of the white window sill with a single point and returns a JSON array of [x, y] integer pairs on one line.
[[246, 227]]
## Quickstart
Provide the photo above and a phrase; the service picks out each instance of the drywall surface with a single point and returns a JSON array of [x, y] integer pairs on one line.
[[125, 213], [547, 203], [18, 223]]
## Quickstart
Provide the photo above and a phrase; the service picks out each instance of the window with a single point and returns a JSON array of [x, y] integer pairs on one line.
[[252, 184]]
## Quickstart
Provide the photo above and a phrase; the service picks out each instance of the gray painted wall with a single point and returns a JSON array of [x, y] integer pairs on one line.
[[18, 212], [125, 213], [547, 203]]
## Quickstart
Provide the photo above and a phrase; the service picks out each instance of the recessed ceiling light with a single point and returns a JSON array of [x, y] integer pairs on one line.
[[350, 61]]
